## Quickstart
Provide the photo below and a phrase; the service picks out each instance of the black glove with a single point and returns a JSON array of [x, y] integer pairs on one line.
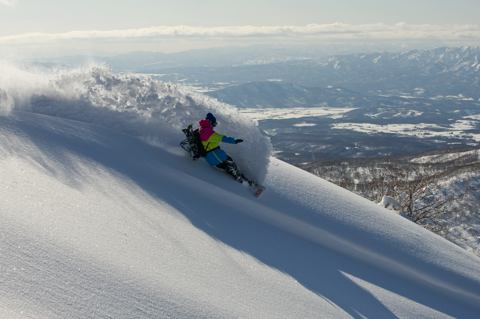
[[238, 140]]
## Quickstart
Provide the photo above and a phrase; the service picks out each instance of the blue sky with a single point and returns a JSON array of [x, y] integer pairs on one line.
[[347, 19]]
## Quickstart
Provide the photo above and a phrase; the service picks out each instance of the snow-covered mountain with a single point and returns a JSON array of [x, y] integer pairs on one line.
[[353, 79], [104, 217], [441, 71]]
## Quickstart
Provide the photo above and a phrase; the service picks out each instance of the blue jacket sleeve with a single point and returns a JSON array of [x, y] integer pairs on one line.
[[228, 139]]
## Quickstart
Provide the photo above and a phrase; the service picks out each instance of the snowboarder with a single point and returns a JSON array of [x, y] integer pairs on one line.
[[215, 156], [205, 142]]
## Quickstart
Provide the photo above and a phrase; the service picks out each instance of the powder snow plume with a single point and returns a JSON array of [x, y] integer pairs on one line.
[[134, 104]]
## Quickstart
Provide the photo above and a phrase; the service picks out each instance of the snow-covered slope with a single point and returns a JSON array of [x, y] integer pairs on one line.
[[97, 223]]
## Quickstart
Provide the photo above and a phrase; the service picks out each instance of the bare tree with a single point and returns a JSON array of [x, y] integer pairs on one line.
[[417, 192]]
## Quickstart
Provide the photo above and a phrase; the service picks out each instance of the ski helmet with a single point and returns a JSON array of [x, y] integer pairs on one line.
[[211, 118]]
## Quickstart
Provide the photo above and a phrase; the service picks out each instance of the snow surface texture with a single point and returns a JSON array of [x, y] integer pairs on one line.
[[131, 103], [389, 202], [97, 223]]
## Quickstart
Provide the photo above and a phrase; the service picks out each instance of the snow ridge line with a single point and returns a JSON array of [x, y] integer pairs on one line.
[[323, 237]]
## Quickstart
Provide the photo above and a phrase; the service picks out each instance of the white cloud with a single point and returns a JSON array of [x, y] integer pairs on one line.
[[378, 31], [9, 3]]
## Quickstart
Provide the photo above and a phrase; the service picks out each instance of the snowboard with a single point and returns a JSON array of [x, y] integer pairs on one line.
[[257, 190]]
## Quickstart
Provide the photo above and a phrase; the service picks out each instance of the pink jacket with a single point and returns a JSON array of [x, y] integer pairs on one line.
[[206, 130]]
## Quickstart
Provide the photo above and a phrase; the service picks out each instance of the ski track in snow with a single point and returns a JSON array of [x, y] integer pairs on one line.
[[96, 223]]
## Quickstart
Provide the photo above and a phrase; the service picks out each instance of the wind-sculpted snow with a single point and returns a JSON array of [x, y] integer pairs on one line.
[[134, 104]]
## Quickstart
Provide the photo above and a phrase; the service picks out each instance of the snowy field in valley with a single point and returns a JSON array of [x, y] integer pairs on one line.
[[103, 216], [293, 113], [422, 130]]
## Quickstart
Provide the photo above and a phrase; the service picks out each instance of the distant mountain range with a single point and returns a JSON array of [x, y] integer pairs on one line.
[[350, 80], [442, 71]]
